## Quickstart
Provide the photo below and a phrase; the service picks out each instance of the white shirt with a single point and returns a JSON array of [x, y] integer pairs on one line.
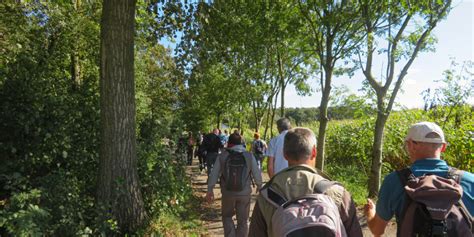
[[275, 149]]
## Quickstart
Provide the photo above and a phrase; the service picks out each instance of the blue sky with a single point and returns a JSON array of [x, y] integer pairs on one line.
[[455, 39]]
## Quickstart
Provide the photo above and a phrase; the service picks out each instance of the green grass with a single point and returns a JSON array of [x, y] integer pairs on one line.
[[185, 223], [168, 224], [353, 178]]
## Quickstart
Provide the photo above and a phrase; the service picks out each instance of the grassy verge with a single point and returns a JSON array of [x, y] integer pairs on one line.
[[184, 223]]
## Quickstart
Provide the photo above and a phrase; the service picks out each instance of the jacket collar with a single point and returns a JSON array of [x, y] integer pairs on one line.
[[237, 148]]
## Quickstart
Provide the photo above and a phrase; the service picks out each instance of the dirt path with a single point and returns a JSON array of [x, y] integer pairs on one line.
[[211, 215]]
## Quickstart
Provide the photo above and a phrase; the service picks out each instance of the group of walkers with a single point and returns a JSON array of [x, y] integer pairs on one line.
[[429, 198], [207, 147]]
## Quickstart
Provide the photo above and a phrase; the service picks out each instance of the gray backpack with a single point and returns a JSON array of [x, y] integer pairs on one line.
[[309, 215], [433, 206], [235, 171]]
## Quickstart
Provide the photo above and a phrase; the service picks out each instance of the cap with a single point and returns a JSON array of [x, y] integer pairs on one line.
[[425, 132]]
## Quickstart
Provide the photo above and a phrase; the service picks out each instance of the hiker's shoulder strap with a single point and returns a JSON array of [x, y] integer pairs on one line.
[[320, 187], [278, 200], [455, 174], [323, 185], [273, 196], [223, 157], [404, 175]]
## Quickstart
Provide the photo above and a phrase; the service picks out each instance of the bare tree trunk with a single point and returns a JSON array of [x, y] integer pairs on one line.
[[258, 122], [377, 156], [282, 85], [75, 63], [323, 119], [282, 102], [273, 116], [258, 114], [75, 68], [267, 122], [270, 113], [118, 183], [239, 121]]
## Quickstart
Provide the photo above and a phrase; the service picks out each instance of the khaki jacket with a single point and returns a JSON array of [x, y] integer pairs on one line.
[[296, 181]]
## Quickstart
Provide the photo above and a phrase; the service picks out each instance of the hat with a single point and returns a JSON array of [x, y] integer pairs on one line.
[[425, 132]]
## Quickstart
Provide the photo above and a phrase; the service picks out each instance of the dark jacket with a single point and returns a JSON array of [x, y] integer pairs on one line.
[[212, 143]]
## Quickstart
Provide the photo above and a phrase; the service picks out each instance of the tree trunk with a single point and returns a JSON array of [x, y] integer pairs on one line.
[[75, 69], [323, 119], [273, 116], [118, 183], [282, 85], [267, 121], [258, 121], [258, 115], [266, 126], [377, 155], [282, 108], [323, 123], [75, 62]]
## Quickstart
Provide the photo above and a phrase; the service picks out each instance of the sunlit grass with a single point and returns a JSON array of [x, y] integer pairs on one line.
[[353, 178]]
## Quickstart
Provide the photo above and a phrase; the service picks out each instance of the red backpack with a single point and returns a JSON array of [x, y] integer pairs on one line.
[[433, 206]]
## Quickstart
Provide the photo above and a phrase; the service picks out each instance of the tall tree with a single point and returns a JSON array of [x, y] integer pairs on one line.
[[118, 183], [334, 32], [256, 44], [392, 21]]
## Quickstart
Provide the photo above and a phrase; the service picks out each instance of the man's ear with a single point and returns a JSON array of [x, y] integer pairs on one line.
[[443, 148], [314, 152]]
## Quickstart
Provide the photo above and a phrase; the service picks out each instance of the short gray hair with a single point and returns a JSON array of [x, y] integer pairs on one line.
[[283, 124], [299, 143]]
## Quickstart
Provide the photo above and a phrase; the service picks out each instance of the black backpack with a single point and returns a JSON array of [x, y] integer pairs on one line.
[[235, 172]]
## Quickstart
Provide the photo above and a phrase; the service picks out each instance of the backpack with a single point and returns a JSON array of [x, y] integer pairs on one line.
[[433, 206], [259, 147], [308, 215], [235, 172]]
